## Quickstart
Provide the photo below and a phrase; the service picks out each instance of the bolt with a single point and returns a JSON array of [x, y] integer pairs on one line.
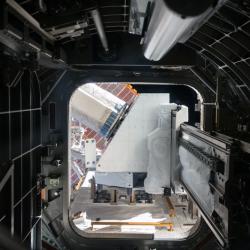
[[57, 162]]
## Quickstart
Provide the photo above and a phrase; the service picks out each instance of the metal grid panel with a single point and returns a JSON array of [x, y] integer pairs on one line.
[[20, 143], [223, 46], [115, 15]]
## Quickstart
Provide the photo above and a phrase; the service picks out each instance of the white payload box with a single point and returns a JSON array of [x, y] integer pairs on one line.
[[145, 142], [96, 108]]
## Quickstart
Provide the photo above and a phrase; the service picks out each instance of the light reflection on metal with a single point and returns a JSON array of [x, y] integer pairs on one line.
[[100, 29]]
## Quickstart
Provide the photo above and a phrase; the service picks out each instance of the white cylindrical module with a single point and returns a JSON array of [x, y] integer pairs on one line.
[[167, 27], [96, 108]]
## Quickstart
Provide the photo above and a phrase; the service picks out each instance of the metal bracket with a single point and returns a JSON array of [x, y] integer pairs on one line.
[[215, 164]]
